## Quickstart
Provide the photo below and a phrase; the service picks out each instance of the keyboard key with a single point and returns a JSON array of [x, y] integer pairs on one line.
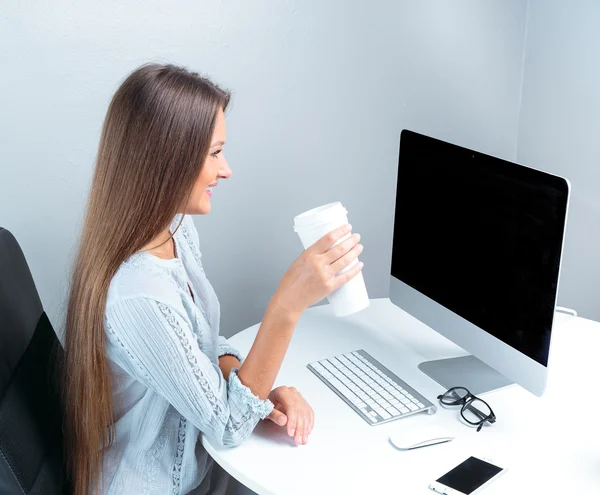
[[411, 406], [345, 391], [329, 367], [319, 367], [379, 409], [363, 386]]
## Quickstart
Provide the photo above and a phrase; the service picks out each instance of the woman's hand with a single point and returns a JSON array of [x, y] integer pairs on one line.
[[292, 410], [313, 276]]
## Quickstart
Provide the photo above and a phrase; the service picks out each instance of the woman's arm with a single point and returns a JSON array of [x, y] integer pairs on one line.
[[314, 275], [262, 364], [226, 363]]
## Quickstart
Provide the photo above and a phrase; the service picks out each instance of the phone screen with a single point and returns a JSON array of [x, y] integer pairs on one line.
[[469, 475]]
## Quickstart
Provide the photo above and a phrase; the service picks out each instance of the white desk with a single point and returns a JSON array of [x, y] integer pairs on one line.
[[550, 443]]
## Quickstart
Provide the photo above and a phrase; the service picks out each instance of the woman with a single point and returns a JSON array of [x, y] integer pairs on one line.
[[147, 372]]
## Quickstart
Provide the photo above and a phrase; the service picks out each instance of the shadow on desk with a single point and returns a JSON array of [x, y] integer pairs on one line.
[[276, 434]]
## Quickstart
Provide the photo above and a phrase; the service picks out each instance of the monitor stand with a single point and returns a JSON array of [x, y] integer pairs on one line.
[[465, 371]]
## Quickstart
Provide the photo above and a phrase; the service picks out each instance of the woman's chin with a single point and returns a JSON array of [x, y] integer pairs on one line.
[[203, 209]]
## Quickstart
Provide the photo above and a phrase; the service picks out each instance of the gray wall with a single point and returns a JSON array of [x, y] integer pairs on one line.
[[321, 92], [559, 130]]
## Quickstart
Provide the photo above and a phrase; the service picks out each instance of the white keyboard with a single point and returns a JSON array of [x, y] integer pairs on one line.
[[367, 386]]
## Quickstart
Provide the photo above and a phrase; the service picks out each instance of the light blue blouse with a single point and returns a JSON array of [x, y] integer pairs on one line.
[[163, 349]]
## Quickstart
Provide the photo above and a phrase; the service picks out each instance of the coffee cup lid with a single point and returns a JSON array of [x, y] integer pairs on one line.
[[318, 216]]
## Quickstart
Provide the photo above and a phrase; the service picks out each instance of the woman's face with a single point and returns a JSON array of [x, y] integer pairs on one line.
[[215, 167]]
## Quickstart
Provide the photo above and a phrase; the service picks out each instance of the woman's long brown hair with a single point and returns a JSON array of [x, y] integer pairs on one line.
[[155, 138]]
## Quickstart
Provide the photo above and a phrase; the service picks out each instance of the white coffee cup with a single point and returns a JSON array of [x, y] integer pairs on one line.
[[311, 226]]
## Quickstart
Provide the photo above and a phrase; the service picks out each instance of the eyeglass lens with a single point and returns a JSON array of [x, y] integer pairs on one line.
[[454, 396], [475, 411]]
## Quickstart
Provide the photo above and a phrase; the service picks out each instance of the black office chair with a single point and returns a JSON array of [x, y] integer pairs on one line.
[[31, 454]]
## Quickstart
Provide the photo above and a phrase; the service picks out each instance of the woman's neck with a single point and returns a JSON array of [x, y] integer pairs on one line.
[[162, 246]]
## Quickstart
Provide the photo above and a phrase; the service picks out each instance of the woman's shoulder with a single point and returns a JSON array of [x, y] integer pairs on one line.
[[145, 276]]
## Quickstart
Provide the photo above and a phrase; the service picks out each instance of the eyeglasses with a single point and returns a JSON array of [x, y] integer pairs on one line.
[[474, 410]]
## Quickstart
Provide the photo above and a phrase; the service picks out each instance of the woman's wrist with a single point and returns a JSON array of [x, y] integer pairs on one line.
[[283, 308]]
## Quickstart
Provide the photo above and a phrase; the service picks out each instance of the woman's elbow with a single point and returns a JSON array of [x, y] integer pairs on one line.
[[234, 438]]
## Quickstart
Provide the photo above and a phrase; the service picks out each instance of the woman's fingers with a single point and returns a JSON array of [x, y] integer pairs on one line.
[[309, 421], [289, 405], [346, 259], [292, 422], [348, 275], [300, 429], [278, 417], [337, 252], [306, 426], [324, 243]]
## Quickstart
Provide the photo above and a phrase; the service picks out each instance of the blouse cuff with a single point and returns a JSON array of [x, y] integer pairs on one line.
[[260, 407], [226, 349]]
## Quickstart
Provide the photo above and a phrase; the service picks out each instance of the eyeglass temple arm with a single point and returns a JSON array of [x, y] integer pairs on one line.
[[480, 414]]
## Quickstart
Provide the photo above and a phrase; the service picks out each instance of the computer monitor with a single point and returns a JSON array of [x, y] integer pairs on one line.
[[476, 256]]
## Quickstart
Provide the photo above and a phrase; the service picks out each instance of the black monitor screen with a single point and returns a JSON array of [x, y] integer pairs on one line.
[[482, 237]]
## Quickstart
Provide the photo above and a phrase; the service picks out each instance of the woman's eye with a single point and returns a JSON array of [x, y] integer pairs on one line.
[[216, 153]]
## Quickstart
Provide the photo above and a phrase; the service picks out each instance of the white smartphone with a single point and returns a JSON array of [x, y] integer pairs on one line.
[[468, 477]]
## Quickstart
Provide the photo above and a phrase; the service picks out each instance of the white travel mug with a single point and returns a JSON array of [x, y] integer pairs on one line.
[[311, 226]]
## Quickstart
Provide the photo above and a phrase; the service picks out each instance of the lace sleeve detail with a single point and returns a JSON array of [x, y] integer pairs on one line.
[[176, 471], [258, 406], [186, 343]]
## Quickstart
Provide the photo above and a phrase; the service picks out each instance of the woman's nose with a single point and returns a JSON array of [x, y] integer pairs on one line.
[[225, 170]]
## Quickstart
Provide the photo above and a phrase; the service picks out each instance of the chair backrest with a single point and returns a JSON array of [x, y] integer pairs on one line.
[[31, 454]]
